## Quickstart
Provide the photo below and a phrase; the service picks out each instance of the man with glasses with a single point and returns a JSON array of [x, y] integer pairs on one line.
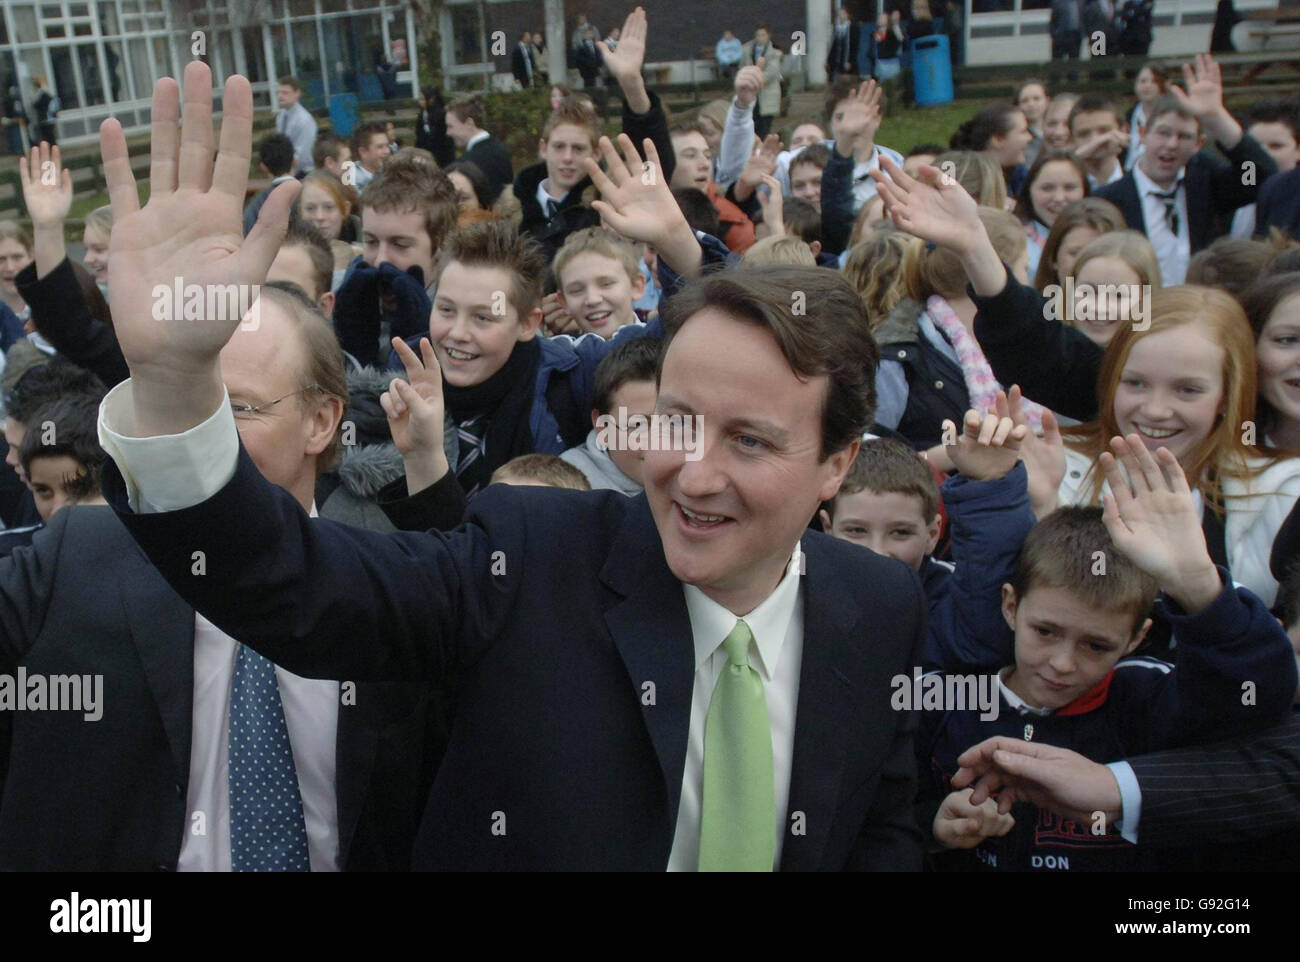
[[1179, 197], [199, 754]]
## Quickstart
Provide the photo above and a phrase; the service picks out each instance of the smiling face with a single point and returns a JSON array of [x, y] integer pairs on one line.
[[319, 208], [890, 523], [372, 155], [694, 161], [1171, 140], [1056, 126], [1009, 148], [806, 183], [1064, 647], [568, 146], [1074, 241], [458, 129], [759, 477], [1171, 389], [1278, 356], [1057, 184], [396, 237], [13, 258], [598, 293], [96, 259], [1033, 101], [471, 341], [1098, 321]]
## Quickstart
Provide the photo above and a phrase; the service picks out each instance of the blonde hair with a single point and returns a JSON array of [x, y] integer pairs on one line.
[[876, 267], [596, 240], [1223, 452], [1129, 246], [978, 173], [544, 469], [100, 220], [782, 249], [939, 271]]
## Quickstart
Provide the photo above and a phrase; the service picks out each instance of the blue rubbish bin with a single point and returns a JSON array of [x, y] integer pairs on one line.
[[344, 113], [932, 70]]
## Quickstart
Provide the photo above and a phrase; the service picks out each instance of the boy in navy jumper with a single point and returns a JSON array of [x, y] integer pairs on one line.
[[1078, 604], [889, 502]]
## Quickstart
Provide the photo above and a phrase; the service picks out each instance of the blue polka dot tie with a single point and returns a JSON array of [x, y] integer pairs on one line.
[[267, 830]]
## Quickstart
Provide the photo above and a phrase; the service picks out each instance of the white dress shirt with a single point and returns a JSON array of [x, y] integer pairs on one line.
[[1173, 251], [171, 472], [311, 706], [481, 135], [776, 654]]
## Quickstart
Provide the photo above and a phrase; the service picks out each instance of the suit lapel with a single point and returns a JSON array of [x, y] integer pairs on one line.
[[354, 760], [652, 632], [162, 626], [829, 678]]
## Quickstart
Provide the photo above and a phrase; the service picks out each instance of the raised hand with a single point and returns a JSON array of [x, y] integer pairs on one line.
[[47, 186], [749, 81], [1151, 516], [555, 317], [935, 208], [190, 233], [1044, 456], [860, 117], [761, 163], [961, 824], [624, 61], [988, 446], [772, 203], [1204, 82], [416, 415], [1055, 779]]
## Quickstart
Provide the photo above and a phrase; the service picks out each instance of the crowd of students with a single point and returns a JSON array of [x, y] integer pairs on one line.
[[1082, 412]]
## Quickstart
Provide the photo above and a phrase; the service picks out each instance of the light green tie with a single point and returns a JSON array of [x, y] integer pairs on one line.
[[738, 820]]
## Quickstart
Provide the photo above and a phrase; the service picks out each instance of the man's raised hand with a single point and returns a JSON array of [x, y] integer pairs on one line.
[[749, 81], [860, 117], [935, 208], [189, 233]]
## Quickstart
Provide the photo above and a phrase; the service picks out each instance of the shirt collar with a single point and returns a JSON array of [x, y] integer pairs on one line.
[[481, 135], [1146, 185], [1015, 701], [769, 622], [543, 195]]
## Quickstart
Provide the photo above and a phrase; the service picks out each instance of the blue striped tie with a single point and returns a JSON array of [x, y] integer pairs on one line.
[[472, 436]]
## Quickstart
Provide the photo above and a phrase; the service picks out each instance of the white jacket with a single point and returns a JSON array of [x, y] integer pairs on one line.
[[1254, 513]]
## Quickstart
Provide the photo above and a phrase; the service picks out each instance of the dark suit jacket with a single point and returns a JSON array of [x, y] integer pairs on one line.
[[110, 795], [493, 158], [588, 61], [1279, 204], [567, 640], [520, 69], [1214, 191], [842, 53], [64, 317]]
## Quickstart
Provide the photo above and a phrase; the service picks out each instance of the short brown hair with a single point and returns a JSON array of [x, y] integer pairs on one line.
[[596, 240], [325, 373], [844, 87], [12, 230], [888, 466], [573, 111], [288, 80], [408, 185], [1231, 264], [1169, 104], [469, 107], [779, 249], [823, 333], [495, 243], [546, 469], [304, 234], [1061, 552], [1091, 212]]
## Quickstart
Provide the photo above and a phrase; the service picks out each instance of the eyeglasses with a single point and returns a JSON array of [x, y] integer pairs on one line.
[[245, 411]]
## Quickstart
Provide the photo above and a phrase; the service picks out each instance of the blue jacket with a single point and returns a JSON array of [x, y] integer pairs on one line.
[[1143, 705], [988, 521]]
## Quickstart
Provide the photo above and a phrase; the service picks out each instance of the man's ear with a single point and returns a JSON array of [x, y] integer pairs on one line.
[[1138, 637], [824, 517], [324, 424], [638, 286], [838, 463], [529, 324], [815, 247], [326, 303], [541, 148], [1009, 604]]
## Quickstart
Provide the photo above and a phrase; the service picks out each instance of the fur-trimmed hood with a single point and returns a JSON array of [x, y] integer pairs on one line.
[[364, 470]]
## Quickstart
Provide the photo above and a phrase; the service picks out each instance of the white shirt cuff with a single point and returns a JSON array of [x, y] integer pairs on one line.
[[172, 471], [1130, 794]]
